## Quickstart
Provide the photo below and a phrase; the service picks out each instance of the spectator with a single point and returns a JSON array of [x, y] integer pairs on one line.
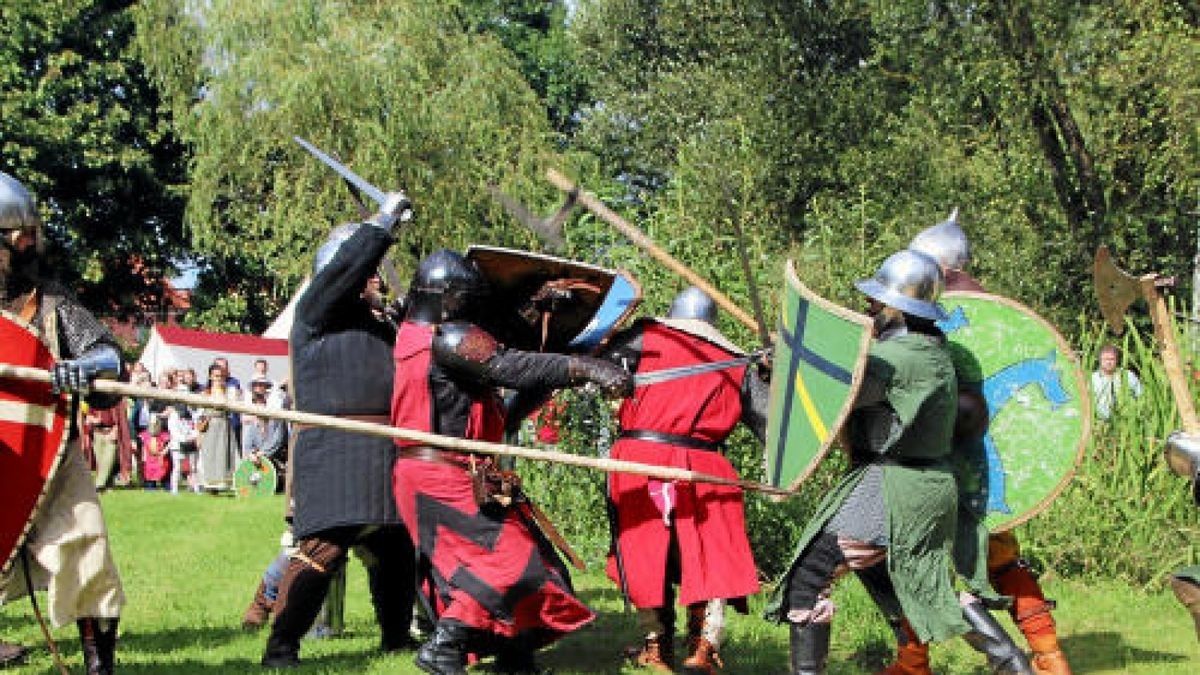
[[187, 376], [1108, 383], [183, 443], [218, 438], [107, 443]]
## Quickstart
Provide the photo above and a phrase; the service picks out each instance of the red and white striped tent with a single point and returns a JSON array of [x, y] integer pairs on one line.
[[174, 347]]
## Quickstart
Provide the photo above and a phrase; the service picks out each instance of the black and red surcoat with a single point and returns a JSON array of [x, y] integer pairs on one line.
[[490, 569], [682, 423], [341, 365]]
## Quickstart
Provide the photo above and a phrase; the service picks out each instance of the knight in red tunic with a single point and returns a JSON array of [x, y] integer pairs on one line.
[[690, 534], [498, 585]]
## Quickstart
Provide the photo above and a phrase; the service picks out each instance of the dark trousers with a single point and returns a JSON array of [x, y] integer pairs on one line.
[[387, 553]]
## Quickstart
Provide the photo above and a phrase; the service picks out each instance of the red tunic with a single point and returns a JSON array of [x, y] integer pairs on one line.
[[489, 570], [715, 557]]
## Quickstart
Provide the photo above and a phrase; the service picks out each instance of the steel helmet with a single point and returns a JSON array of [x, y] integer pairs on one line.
[[445, 286], [946, 243], [17, 210], [909, 281], [693, 303]]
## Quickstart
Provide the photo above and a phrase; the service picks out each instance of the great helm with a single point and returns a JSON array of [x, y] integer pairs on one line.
[[1183, 456], [445, 286], [945, 242], [17, 210], [910, 281], [693, 303]]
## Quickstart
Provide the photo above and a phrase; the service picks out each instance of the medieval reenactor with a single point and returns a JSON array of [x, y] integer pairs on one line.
[[66, 551], [892, 517], [1007, 572], [498, 585], [1183, 456], [689, 534], [341, 481]]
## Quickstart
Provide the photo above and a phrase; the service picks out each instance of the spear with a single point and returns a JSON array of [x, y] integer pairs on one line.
[[422, 437], [647, 244]]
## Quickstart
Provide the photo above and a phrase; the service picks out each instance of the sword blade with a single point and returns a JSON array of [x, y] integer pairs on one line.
[[354, 179], [668, 374]]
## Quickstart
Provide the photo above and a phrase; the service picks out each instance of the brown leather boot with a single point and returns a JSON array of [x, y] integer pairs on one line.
[[259, 611], [703, 659], [656, 653], [1049, 661], [99, 640], [912, 657], [12, 655], [1188, 594]]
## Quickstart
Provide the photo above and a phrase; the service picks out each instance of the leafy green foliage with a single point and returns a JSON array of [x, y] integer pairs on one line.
[[401, 92], [79, 126]]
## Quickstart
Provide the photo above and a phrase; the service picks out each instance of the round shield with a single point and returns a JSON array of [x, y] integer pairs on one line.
[[1039, 407], [33, 433], [255, 478]]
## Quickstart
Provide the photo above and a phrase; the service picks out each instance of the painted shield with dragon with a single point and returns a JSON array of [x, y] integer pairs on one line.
[[1039, 406]]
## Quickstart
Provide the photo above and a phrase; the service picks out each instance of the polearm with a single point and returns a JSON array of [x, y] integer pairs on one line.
[[647, 244], [426, 438]]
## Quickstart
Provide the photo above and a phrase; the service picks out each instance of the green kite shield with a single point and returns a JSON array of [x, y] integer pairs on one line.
[[1039, 407], [820, 356]]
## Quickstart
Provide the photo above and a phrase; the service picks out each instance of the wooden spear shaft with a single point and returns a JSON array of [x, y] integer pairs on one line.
[[425, 438], [647, 244]]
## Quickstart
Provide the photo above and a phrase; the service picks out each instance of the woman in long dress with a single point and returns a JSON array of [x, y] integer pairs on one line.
[[218, 441]]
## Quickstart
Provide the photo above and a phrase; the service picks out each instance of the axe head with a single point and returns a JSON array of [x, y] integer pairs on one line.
[[549, 230], [1116, 289]]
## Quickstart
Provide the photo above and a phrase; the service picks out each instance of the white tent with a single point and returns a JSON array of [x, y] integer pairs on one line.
[[174, 347], [281, 328]]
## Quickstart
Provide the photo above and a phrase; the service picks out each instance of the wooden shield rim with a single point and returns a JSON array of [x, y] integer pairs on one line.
[[58, 457], [1085, 401], [856, 375]]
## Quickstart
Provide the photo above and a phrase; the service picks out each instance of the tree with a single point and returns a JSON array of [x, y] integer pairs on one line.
[[402, 92], [79, 127]]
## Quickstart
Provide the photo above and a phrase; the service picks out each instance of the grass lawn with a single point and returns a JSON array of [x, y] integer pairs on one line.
[[191, 563]]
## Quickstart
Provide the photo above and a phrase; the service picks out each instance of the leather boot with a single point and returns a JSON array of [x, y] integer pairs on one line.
[[301, 594], [1012, 576], [259, 611], [516, 656], [702, 656], [99, 640], [656, 653], [810, 648], [1188, 594], [912, 656], [12, 655], [446, 652], [988, 637]]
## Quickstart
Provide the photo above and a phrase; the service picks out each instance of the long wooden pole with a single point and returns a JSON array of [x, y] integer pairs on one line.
[[647, 244], [425, 438]]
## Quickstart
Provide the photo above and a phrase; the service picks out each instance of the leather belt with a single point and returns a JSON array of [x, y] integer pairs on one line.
[[426, 453], [374, 419], [671, 439]]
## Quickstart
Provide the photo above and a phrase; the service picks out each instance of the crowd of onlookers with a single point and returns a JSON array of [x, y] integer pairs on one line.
[[168, 445]]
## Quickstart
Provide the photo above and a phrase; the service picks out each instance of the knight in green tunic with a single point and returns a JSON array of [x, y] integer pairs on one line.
[[893, 517]]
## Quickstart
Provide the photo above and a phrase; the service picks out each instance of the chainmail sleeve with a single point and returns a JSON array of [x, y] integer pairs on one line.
[[78, 329], [520, 370], [756, 393]]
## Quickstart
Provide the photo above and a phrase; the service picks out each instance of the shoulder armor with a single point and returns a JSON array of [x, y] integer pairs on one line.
[[464, 347]]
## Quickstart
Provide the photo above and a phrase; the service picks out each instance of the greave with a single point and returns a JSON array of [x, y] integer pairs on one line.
[[810, 648], [99, 640], [988, 637]]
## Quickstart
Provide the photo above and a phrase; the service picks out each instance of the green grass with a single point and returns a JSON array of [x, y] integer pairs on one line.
[[191, 563]]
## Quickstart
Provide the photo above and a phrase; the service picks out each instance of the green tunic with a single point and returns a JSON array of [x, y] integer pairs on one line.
[[920, 493]]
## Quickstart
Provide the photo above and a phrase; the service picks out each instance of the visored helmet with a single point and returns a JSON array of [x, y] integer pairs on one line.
[[1183, 456], [446, 286], [946, 243], [909, 281], [17, 210], [693, 303], [332, 244]]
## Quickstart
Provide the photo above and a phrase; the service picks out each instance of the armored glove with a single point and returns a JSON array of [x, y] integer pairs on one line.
[[76, 375], [613, 379], [396, 208]]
